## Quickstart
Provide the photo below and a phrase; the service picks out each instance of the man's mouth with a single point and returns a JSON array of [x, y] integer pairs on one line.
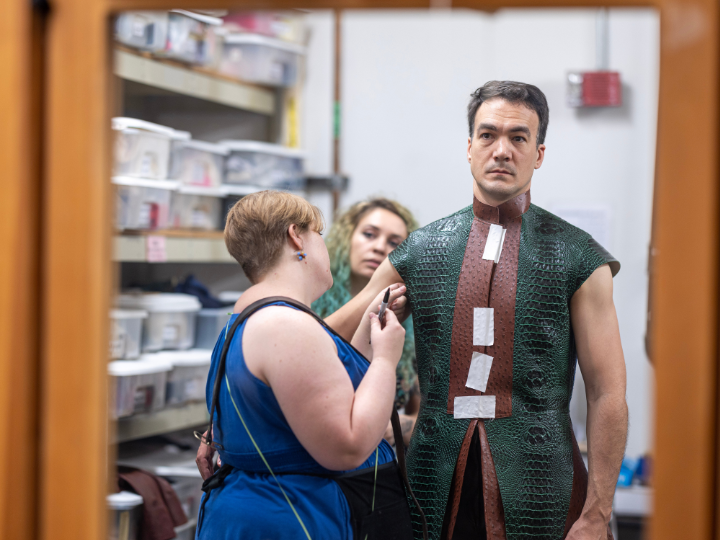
[[500, 171]]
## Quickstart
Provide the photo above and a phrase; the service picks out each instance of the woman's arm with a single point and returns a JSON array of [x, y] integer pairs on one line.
[[337, 425]]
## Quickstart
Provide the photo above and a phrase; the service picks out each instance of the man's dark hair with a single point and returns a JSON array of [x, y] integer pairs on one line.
[[513, 92]]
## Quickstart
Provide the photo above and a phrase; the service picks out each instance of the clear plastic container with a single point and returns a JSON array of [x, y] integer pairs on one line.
[[288, 26], [139, 385], [264, 164], [188, 211], [143, 208], [260, 59], [198, 163], [125, 509], [190, 37], [171, 319], [210, 323], [186, 531], [142, 149], [186, 382], [189, 492], [126, 333], [144, 30]]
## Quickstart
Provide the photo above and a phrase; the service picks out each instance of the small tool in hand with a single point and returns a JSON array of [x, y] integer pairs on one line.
[[384, 305]]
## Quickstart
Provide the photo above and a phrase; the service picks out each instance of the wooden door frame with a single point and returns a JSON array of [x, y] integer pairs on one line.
[[76, 268], [21, 40]]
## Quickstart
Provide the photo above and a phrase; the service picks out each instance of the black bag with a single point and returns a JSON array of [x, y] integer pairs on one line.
[[376, 495]]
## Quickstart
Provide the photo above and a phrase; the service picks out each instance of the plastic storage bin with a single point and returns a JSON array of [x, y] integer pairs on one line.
[[139, 207], [190, 37], [139, 385], [186, 382], [188, 491], [186, 531], [264, 164], [126, 333], [145, 30], [210, 323], [189, 211], [171, 319], [288, 26], [260, 59], [142, 149], [198, 163], [125, 510]]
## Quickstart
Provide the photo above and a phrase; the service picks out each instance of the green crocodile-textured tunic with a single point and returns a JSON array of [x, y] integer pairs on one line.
[[532, 449]]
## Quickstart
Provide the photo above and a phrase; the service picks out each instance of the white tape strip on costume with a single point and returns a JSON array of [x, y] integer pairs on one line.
[[474, 407], [483, 326], [494, 244], [479, 371]]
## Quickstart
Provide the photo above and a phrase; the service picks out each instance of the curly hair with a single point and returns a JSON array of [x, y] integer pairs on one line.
[[338, 244]]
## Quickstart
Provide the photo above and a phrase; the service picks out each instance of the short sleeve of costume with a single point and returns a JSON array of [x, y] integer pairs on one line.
[[401, 255], [591, 256]]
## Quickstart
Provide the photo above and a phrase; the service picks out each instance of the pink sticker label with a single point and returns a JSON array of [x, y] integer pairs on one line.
[[155, 247]]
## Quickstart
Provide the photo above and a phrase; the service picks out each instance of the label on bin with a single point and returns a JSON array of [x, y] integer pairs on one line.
[[155, 249], [170, 332]]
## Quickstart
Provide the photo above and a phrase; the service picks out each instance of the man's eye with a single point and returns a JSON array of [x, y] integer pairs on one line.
[[520, 139], [485, 136]]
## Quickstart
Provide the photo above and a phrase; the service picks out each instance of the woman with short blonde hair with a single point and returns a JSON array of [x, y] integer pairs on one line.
[[298, 413]]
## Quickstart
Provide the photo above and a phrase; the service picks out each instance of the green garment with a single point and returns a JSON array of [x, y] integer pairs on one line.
[[532, 449]]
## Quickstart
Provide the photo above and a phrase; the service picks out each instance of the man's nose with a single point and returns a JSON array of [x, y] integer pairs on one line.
[[502, 150]]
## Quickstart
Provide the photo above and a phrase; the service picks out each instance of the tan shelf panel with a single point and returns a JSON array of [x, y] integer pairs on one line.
[[207, 248], [193, 82], [165, 421]]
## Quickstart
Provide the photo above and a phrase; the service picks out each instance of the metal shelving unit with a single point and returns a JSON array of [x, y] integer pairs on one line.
[[194, 82], [190, 249], [164, 421]]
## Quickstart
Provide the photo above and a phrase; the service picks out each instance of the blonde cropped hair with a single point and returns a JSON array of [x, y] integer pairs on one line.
[[257, 225]]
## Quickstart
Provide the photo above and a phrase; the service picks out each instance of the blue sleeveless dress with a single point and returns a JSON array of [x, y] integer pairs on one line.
[[250, 505]]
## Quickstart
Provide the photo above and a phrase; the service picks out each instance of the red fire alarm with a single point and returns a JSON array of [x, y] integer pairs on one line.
[[594, 89]]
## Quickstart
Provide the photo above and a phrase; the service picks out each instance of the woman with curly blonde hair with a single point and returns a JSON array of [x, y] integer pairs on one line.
[[358, 241]]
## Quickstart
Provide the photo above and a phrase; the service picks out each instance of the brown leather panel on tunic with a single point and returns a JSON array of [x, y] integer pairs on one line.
[[458, 477], [494, 512], [472, 292], [579, 488], [476, 290], [502, 299]]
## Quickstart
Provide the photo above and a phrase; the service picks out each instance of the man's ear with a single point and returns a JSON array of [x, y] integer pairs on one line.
[[540, 156], [468, 150]]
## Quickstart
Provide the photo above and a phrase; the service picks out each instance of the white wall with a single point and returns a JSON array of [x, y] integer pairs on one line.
[[406, 81]]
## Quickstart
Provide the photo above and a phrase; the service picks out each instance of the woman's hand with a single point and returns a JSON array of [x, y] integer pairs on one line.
[[388, 339], [361, 339]]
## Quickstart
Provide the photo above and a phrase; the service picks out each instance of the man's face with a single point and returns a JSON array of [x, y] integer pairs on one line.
[[503, 151]]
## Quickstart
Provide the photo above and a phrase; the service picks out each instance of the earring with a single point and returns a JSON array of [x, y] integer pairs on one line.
[[301, 255]]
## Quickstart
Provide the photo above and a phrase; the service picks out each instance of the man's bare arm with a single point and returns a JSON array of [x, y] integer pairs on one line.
[[601, 361], [346, 319]]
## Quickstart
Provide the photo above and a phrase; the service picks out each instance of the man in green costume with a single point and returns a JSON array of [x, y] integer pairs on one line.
[[505, 296]]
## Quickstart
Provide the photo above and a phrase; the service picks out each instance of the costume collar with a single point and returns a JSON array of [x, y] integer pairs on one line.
[[508, 210]]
